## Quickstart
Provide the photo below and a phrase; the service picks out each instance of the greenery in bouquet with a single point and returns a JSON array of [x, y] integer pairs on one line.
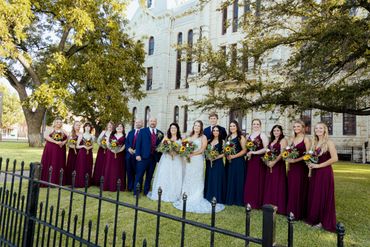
[[186, 148]]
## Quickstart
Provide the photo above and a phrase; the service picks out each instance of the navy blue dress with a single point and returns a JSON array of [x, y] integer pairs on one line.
[[235, 178], [215, 181]]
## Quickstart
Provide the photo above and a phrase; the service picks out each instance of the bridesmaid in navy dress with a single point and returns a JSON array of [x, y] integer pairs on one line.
[[72, 152], [276, 180], [54, 154], [255, 179], [101, 155], [115, 161], [235, 167], [215, 180], [321, 199], [84, 161], [298, 174]]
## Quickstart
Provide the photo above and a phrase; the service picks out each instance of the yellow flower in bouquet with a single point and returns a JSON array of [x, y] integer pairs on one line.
[[285, 154], [88, 143], [57, 137], [187, 147], [114, 147], [72, 144]]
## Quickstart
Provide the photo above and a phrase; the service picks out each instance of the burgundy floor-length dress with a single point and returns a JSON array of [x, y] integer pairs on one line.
[[298, 185], [255, 180], [321, 199], [71, 163], [53, 156], [115, 168], [84, 164], [276, 183], [99, 164]]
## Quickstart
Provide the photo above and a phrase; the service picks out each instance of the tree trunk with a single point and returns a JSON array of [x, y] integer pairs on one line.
[[34, 122]]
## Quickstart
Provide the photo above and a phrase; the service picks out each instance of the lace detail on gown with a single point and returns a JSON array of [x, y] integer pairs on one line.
[[168, 176], [193, 186]]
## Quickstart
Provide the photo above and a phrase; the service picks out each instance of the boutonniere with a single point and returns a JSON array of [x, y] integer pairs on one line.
[[159, 135]]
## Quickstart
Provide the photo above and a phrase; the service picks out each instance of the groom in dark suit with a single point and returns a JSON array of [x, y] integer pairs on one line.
[[146, 155], [213, 119]]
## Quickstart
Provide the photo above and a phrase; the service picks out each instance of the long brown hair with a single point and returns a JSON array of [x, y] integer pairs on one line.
[[201, 128], [74, 134]]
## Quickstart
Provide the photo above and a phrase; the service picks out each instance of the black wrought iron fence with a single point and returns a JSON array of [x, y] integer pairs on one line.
[[26, 222]]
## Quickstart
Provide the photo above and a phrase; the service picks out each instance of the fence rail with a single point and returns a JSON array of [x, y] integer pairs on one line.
[[24, 221]]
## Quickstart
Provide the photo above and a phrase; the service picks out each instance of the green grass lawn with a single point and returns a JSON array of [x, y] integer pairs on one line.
[[352, 183]]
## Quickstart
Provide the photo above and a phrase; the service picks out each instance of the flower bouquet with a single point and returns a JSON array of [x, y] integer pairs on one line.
[[251, 146], [211, 153], [290, 153], [114, 147], [270, 155], [187, 147], [88, 143], [57, 136], [72, 144], [103, 144], [229, 148], [168, 146], [310, 157]]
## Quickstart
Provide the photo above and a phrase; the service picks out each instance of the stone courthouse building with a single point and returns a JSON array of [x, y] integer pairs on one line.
[[163, 25]]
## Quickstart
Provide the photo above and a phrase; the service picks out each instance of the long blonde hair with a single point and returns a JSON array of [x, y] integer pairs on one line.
[[324, 144], [298, 121]]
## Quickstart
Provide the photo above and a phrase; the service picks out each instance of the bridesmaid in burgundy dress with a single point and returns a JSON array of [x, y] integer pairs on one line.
[[101, 156], [54, 154], [115, 161], [256, 171], [298, 174], [72, 152], [321, 201], [84, 162], [276, 181]]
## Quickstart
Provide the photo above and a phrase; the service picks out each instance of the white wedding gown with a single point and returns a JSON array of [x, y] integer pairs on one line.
[[168, 176], [193, 186]]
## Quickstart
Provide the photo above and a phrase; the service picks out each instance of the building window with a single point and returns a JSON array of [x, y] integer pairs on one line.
[[185, 119], [151, 46], [327, 118], [224, 20], [349, 124], [200, 39], [178, 62], [189, 62], [176, 114], [149, 78], [147, 116], [235, 15], [149, 3], [306, 117], [247, 6], [134, 113], [233, 54]]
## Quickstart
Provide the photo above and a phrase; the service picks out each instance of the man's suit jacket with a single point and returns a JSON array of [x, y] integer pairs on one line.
[[208, 132], [129, 141], [144, 143]]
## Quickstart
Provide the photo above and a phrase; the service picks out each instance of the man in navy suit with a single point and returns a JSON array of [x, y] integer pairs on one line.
[[213, 119], [146, 155], [130, 153]]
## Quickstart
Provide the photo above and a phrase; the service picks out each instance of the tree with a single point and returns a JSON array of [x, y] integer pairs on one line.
[[12, 110], [52, 53], [327, 64]]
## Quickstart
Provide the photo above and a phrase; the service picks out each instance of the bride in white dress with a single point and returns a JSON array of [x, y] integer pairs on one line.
[[168, 174], [193, 182]]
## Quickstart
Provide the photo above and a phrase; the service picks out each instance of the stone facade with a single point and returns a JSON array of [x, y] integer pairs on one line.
[[163, 21]]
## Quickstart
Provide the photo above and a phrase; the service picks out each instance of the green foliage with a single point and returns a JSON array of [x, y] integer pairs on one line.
[[12, 110], [69, 56], [327, 48]]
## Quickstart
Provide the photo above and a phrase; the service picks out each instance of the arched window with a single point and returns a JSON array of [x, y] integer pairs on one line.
[[147, 116], [176, 114], [235, 15], [134, 113], [306, 117], [185, 119], [178, 62], [189, 61], [151, 46]]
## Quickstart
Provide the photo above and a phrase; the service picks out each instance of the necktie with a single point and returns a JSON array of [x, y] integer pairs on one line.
[[153, 140], [135, 136]]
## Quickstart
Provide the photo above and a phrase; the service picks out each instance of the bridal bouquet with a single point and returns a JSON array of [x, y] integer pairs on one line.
[[251, 146], [211, 153], [229, 148], [114, 147], [290, 153], [168, 146], [187, 147], [311, 156], [270, 155], [57, 136], [88, 143], [72, 144]]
